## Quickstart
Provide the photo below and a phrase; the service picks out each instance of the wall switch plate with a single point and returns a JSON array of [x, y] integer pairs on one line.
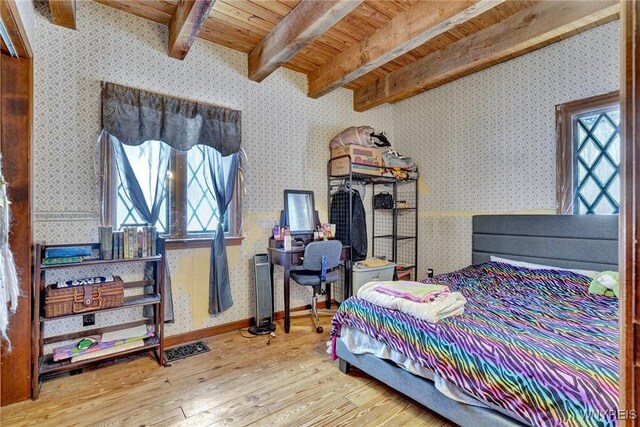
[[89, 319]]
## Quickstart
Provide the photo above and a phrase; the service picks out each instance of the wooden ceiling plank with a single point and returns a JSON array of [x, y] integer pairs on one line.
[[160, 12], [186, 23], [403, 33], [63, 13], [302, 25], [521, 33], [15, 30], [241, 15]]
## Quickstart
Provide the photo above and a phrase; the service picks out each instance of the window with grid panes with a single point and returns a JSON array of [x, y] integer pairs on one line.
[[589, 156], [196, 216]]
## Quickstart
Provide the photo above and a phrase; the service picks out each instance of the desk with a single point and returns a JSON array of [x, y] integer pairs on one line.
[[288, 259]]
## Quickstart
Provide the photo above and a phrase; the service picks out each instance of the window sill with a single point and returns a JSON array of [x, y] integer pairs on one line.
[[199, 242]]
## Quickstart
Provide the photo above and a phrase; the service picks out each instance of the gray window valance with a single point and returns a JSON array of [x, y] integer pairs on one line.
[[134, 116]]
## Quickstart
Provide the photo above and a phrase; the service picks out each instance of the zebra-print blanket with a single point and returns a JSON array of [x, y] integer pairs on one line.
[[534, 342]]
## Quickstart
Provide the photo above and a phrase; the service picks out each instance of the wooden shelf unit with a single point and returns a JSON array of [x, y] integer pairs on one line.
[[44, 365]]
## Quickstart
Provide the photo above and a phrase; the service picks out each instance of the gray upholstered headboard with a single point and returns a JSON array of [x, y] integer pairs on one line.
[[588, 242]]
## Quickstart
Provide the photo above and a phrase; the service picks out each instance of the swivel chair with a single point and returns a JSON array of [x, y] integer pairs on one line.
[[319, 263]]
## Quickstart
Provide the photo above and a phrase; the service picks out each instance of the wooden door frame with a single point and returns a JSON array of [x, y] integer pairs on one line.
[[629, 210]]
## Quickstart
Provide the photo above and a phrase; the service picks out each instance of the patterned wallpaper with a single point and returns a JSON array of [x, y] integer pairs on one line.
[[486, 143], [285, 135]]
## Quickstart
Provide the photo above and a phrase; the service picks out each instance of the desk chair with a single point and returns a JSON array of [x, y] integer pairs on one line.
[[319, 263]]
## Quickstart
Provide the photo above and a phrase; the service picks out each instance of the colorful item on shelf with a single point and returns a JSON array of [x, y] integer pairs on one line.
[[85, 281], [67, 251], [62, 260], [71, 350], [86, 343], [129, 345]]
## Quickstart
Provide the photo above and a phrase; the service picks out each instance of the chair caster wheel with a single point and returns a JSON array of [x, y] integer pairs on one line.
[[319, 329]]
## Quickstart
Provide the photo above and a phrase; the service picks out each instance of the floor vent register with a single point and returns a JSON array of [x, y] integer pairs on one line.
[[185, 351]]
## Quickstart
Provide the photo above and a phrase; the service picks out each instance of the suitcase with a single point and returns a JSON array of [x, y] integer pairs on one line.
[[80, 299]]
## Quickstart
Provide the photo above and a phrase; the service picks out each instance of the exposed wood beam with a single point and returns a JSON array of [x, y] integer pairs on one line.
[[308, 20], [16, 30], [408, 30], [63, 13], [185, 24], [530, 29]]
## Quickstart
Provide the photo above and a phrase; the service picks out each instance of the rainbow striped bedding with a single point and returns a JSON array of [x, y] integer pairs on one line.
[[533, 342]]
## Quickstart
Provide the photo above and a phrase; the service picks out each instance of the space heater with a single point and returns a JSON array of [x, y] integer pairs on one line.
[[263, 322]]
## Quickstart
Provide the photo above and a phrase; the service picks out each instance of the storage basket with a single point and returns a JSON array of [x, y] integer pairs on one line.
[[80, 299]]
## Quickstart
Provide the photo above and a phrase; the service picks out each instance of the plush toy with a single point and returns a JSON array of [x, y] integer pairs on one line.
[[605, 283]]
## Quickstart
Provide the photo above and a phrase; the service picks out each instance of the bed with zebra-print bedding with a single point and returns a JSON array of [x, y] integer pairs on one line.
[[533, 342]]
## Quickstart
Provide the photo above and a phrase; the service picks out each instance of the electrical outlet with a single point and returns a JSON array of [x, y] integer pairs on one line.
[[89, 319]]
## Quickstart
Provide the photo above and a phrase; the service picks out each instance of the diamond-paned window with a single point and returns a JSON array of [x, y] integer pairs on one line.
[[126, 214], [597, 161], [201, 206]]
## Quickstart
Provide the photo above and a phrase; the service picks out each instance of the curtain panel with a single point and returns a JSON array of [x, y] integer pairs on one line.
[[135, 116]]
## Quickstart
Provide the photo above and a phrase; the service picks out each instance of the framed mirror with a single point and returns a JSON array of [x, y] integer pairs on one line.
[[300, 211]]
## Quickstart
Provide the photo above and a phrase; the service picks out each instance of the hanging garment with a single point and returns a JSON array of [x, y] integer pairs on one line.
[[350, 231]]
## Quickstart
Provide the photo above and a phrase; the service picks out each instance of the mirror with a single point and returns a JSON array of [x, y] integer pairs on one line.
[[300, 211]]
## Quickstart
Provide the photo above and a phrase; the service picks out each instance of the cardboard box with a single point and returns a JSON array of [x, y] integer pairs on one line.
[[364, 160]]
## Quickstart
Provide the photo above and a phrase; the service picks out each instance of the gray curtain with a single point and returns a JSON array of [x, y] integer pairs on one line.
[[223, 171], [146, 188], [135, 116]]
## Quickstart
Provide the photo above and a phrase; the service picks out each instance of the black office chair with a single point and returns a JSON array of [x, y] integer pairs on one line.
[[319, 264]]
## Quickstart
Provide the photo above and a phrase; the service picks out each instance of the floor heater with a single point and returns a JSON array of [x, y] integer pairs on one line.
[[263, 322]]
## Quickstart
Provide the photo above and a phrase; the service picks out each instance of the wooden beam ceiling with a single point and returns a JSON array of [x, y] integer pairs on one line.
[[532, 28], [308, 20], [407, 31], [16, 31], [63, 13], [185, 25]]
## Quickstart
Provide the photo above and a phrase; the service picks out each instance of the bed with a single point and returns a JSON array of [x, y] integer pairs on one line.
[[533, 347]]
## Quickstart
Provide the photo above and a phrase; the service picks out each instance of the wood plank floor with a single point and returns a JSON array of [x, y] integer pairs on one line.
[[241, 381]]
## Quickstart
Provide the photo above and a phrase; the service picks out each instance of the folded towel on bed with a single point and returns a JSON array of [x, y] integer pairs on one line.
[[413, 291], [443, 306]]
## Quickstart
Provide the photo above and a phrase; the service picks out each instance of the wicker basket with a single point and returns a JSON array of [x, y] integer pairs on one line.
[[80, 299]]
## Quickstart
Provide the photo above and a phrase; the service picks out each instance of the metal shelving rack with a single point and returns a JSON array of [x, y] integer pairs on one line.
[[395, 230]]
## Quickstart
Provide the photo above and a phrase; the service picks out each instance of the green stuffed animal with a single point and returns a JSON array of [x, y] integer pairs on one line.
[[605, 283]]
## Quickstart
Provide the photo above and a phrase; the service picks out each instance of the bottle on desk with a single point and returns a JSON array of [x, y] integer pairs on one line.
[[287, 239]]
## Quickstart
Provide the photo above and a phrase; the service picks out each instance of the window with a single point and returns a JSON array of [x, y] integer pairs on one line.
[[589, 156], [188, 210]]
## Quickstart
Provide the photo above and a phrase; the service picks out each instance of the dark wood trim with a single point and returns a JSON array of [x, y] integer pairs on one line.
[[16, 100], [194, 243], [564, 144], [629, 209], [227, 327]]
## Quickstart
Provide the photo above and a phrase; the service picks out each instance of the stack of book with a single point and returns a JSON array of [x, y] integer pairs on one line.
[[131, 242], [67, 254]]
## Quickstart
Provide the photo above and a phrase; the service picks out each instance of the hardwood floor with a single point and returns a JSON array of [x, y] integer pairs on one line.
[[241, 381]]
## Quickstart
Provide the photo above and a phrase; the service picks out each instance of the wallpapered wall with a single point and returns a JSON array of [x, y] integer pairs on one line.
[[285, 135], [486, 143]]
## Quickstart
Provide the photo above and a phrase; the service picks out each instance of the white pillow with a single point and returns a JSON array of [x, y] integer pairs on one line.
[[589, 273]]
